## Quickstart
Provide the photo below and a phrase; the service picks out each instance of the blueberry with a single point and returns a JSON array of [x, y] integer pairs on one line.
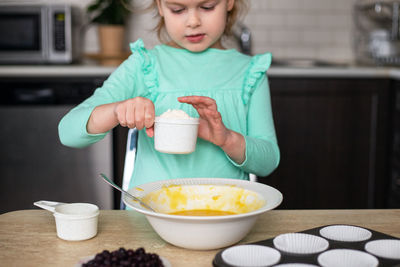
[[126, 257], [130, 252], [99, 258], [106, 253], [140, 251], [114, 253]]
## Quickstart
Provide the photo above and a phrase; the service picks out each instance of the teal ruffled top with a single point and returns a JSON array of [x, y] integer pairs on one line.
[[238, 84]]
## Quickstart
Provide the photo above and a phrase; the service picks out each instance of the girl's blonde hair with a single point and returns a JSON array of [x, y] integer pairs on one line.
[[240, 7]]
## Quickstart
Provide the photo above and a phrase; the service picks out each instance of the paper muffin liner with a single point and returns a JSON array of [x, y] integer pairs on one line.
[[300, 243], [385, 248], [347, 258], [345, 233], [251, 256]]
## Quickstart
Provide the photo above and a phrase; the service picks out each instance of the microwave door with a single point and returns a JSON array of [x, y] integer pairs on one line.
[[23, 34]]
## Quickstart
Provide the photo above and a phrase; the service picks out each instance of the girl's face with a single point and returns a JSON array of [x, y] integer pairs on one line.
[[195, 24]]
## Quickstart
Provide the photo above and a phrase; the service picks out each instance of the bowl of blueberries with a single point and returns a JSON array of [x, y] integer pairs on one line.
[[124, 257]]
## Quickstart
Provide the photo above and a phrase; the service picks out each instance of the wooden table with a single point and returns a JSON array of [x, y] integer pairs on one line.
[[28, 237]]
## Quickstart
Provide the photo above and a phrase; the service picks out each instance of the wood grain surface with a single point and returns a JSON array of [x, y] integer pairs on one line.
[[28, 237]]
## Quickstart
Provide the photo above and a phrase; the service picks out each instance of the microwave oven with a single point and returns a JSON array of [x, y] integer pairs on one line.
[[39, 34]]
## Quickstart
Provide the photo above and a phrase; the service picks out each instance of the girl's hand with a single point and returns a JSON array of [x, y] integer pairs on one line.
[[136, 112], [212, 129]]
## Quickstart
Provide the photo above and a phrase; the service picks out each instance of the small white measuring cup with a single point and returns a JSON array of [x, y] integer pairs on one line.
[[175, 136], [74, 221]]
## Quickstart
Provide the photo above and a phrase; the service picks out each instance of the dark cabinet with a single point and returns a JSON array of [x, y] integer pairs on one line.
[[334, 139], [394, 159]]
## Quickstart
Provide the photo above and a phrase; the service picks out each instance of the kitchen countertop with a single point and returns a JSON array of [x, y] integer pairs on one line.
[[346, 71], [28, 237]]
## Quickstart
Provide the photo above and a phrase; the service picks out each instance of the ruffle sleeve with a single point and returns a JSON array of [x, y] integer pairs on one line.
[[147, 62], [259, 64]]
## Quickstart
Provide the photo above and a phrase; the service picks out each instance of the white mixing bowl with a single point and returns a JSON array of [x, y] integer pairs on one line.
[[204, 232]]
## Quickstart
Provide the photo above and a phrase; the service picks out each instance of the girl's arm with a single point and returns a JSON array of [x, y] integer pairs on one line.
[[135, 112], [262, 151], [235, 147], [89, 122], [257, 152], [212, 128], [102, 119]]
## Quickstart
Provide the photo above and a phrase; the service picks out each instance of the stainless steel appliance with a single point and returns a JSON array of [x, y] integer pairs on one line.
[[376, 32], [39, 34], [34, 165]]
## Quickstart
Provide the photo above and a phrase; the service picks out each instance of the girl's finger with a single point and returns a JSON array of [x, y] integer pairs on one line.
[[196, 100], [149, 115], [130, 116], [121, 115], [212, 114], [139, 116], [201, 111], [196, 106], [150, 131]]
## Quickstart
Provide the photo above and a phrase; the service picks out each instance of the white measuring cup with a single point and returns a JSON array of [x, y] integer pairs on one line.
[[74, 221], [175, 136]]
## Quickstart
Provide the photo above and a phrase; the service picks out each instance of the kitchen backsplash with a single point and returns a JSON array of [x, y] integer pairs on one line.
[[317, 29], [320, 29]]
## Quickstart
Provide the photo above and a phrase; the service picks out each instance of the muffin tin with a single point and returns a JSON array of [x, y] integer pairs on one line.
[[337, 244]]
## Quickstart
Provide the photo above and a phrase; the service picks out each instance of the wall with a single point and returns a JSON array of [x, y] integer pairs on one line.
[[318, 29]]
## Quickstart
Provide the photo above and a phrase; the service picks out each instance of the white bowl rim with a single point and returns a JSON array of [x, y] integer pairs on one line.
[[267, 207]]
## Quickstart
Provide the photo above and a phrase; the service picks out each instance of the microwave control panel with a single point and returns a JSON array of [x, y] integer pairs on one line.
[[59, 31]]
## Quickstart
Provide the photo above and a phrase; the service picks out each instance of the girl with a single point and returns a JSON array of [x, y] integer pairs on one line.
[[192, 71]]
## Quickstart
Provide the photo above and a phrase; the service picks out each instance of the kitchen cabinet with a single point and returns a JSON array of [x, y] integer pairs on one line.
[[334, 136], [394, 160]]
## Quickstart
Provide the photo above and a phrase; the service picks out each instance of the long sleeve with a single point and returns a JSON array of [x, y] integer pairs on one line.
[[119, 86], [136, 76], [262, 151]]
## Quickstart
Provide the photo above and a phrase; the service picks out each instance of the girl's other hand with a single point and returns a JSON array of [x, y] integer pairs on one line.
[[211, 127], [136, 112]]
